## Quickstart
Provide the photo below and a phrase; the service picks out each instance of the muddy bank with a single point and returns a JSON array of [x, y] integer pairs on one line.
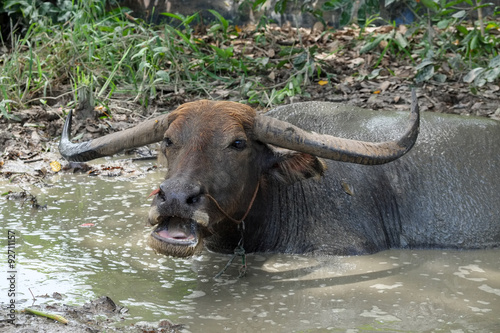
[[100, 315]]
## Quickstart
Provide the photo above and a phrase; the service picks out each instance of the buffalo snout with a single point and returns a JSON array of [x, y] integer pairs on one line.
[[178, 213], [177, 197]]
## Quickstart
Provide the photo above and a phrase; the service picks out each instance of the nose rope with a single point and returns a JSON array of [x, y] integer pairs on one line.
[[246, 213], [239, 250]]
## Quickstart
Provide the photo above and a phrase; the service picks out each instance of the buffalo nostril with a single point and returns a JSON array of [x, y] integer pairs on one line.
[[176, 192], [161, 194], [193, 199]]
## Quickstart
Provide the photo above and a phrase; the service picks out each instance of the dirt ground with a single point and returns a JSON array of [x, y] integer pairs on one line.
[[100, 315]]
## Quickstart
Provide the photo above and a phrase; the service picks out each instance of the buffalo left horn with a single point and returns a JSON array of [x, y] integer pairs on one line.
[[285, 135], [147, 132]]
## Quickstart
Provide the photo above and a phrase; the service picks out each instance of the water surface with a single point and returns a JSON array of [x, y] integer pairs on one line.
[[91, 241]]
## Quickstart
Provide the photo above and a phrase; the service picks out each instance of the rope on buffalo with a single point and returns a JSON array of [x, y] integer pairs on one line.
[[246, 213], [239, 250]]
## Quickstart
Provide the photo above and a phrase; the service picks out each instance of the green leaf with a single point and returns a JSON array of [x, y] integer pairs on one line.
[[492, 74], [373, 44], [184, 20], [439, 77], [492, 25], [474, 42], [223, 53], [189, 19], [221, 19], [115, 69], [425, 74], [495, 62], [172, 15], [374, 74], [161, 49], [400, 40], [300, 59], [483, 5], [281, 64], [473, 74], [280, 6], [480, 80], [141, 52], [453, 3], [345, 17], [215, 27], [424, 63], [331, 5], [430, 4], [290, 51], [459, 14], [258, 3], [163, 75], [186, 39], [445, 13], [463, 30], [443, 24]]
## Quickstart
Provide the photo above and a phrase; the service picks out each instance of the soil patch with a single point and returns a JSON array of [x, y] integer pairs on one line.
[[100, 315]]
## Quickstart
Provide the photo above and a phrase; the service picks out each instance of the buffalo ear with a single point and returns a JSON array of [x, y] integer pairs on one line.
[[291, 166]]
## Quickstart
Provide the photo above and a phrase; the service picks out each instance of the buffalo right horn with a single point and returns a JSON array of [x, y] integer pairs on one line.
[[285, 135]]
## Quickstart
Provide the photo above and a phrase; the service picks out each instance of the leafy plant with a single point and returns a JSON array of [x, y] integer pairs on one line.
[[44, 12], [345, 7], [468, 43], [5, 108], [479, 75], [394, 41], [222, 24], [82, 45]]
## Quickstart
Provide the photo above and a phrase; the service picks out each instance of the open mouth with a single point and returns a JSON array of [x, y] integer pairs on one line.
[[176, 231]]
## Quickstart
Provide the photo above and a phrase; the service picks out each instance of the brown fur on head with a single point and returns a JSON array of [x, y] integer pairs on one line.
[[210, 148]]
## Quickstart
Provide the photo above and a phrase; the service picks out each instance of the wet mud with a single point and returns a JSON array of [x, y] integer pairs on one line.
[[99, 315]]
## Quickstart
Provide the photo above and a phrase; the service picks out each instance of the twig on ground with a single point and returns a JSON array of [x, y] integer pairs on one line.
[[59, 318]]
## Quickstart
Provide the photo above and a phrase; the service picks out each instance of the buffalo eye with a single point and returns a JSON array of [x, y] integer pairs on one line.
[[167, 142], [239, 144]]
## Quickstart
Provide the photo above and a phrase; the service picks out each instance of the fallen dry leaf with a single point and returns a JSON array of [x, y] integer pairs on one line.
[[56, 166]]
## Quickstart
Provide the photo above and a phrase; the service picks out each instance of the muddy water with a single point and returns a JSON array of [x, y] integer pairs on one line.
[[90, 241]]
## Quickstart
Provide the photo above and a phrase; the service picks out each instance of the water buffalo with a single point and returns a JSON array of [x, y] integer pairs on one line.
[[303, 192]]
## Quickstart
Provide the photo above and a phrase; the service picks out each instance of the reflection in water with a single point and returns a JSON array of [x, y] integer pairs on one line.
[[91, 242]]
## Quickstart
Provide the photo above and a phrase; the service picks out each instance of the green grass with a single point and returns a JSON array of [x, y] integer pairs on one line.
[[112, 55]]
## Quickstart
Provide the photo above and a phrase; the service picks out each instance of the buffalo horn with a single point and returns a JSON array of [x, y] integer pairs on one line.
[[147, 132], [285, 135]]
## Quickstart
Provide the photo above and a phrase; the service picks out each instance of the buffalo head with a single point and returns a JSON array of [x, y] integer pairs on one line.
[[218, 156]]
